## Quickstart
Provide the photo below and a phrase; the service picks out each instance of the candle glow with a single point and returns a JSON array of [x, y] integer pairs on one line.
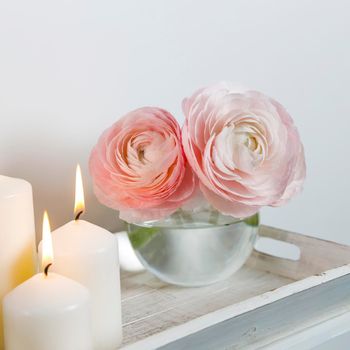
[[79, 204], [88, 254], [47, 249]]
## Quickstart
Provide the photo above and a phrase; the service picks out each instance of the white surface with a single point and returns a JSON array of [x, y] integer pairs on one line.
[[267, 301], [127, 258], [68, 69], [340, 342], [277, 248], [328, 335], [299, 334]]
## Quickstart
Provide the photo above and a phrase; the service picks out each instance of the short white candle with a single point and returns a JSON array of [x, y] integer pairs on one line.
[[17, 236], [48, 312], [89, 254]]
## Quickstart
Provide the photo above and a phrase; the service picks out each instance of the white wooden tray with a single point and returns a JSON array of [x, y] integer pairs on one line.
[[268, 299]]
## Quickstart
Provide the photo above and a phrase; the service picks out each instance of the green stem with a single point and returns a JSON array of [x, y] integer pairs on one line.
[[185, 215], [214, 217], [177, 218]]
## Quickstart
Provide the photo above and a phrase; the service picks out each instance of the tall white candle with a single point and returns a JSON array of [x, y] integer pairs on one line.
[[48, 312], [89, 254], [17, 236]]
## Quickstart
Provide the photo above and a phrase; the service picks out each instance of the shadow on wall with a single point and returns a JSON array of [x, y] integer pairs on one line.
[[53, 182]]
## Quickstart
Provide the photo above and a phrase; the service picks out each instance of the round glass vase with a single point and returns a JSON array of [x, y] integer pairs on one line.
[[194, 249]]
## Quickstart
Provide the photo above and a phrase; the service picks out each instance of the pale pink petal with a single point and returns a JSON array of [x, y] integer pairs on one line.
[[244, 148], [226, 207], [139, 167]]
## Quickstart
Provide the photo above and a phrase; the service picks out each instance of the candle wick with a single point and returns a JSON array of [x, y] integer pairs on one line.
[[46, 270], [78, 215]]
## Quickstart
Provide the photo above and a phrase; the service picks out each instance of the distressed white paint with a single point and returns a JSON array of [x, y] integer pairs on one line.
[[311, 337], [156, 314]]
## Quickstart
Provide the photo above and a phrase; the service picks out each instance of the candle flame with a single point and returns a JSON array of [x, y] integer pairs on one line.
[[79, 205], [47, 250]]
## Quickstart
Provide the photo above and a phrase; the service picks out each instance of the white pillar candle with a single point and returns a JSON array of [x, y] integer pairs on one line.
[[48, 312], [17, 236], [89, 254]]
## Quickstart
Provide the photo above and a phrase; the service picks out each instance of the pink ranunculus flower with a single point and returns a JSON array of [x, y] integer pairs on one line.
[[139, 168], [244, 148]]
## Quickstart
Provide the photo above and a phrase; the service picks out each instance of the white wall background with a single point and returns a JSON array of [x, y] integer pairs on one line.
[[68, 69]]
